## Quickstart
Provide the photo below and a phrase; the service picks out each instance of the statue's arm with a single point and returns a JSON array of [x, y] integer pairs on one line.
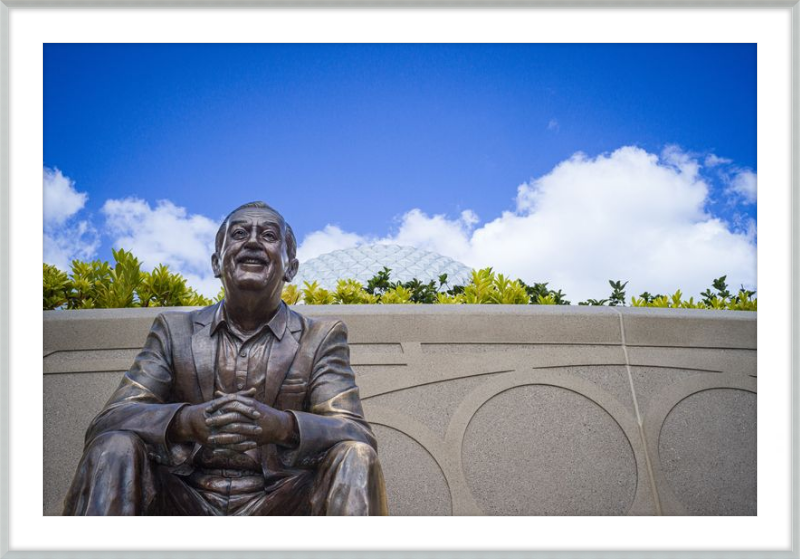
[[142, 402], [333, 411]]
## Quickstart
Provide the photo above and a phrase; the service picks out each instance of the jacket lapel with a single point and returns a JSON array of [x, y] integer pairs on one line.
[[281, 356], [204, 350]]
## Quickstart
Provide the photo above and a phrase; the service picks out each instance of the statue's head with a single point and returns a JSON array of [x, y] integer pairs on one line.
[[255, 250]]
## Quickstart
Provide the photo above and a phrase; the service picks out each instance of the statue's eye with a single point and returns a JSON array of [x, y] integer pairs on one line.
[[238, 234], [270, 236]]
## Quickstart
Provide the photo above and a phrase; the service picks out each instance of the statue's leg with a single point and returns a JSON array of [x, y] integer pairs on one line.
[[349, 481], [286, 497], [179, 496], [115, 477]]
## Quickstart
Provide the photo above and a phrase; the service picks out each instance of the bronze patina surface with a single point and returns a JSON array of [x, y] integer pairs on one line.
[[241, 408]]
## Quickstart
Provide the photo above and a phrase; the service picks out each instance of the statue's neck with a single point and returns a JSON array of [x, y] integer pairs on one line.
[[250, 311]]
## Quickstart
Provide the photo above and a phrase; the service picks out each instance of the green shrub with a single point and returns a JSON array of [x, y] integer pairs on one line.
[[446, 299], [57, 287], [398, 295], [539, 294], [291, 294], [313, 294], [118, 289], [161, 288], [97, 284], [719, 299], [351, 292]]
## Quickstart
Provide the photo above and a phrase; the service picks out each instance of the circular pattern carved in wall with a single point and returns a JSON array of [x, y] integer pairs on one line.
[[546, 450], [415, 485], [707, 450]]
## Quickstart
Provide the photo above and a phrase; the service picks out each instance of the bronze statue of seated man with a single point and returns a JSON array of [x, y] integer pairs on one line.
[[241, 408]]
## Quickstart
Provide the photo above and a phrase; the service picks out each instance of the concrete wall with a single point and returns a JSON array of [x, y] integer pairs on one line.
[[497, 410]]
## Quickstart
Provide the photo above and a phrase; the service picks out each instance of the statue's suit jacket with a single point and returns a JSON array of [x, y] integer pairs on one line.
[[308, 374]]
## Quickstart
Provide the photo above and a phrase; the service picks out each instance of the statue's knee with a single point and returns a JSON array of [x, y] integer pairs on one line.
[[353, 451], [117, 444]]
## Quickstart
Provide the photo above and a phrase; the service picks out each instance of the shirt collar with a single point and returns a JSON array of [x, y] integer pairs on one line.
[[277, 323]]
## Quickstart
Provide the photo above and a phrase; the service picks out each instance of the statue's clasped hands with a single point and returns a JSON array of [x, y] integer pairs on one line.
[[235, 421]]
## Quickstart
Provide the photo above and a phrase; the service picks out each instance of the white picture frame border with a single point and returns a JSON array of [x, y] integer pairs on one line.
[[6, 6]]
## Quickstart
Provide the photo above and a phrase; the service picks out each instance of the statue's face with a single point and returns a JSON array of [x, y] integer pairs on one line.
[[253, 253]]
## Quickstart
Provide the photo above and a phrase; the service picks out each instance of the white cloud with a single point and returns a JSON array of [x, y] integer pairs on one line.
[[628, 215], [61, 200], [713, 160], [553, 125], [685, 162], [745, 184], [166, 234], [76, 242], [741, 183], [329, 239], [435, 233], [65, 237]]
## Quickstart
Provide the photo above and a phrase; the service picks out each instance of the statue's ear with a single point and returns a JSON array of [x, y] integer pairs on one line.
[[215, 265], [291, 270]]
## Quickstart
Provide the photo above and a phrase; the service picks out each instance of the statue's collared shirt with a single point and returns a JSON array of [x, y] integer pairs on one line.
[[242, 361], [241, 365]]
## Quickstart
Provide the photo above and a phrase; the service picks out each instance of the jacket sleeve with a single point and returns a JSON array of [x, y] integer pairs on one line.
[[333, 406], [141, 403]]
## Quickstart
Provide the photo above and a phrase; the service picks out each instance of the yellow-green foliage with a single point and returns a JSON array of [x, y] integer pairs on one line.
[[508, 292], [123, 279], [741, 302], [351, 292], [97, 284], [313, 294], [487, 288], [221, 295], [291, 294], [398, 295], [445, 299], [56, 287], [479, 290], [161, 288], [545, 300], [87, 277]]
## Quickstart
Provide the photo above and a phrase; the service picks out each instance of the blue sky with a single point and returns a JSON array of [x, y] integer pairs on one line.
[[469, 150]]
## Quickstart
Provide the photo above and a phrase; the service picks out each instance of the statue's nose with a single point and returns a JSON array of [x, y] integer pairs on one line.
[[252, 240]]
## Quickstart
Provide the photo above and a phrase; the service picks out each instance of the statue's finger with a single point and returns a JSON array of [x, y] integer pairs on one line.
[[238, 447], [240, 407], [241, 428], [214, 405], [226, 438], [226, 418]]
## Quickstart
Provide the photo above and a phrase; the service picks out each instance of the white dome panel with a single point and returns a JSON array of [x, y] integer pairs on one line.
[[363, 262]]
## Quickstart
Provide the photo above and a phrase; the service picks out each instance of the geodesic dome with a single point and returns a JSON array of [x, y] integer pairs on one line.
[[364, 261]]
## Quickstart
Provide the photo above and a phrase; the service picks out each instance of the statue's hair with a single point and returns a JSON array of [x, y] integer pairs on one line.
[[291, 242]]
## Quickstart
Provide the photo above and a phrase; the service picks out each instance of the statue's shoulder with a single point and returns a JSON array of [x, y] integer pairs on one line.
[[178, 320], [312, 328]]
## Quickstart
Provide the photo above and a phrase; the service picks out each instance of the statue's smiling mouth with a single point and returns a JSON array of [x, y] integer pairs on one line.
[[252, 260]]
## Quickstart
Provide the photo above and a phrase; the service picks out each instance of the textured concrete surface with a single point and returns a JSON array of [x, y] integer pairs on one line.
[[683, 327], [433, 404], [70, 403], [483, 409], [708, 452], [415, 486], [544, 450]]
